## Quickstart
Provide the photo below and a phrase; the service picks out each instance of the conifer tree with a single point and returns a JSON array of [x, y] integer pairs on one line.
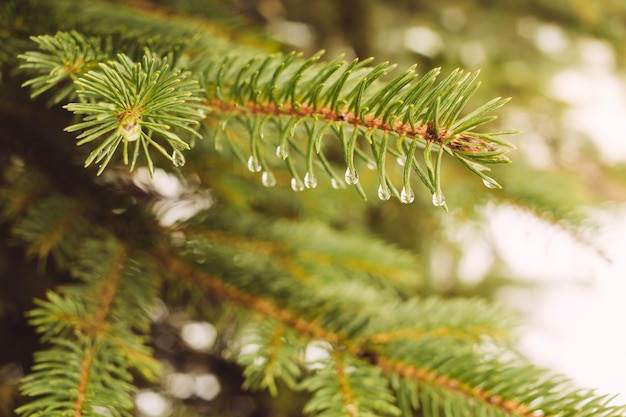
[[173, 157]]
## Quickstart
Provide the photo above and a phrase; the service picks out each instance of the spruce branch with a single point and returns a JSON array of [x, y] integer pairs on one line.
[[48, 227], [439, 371], [140, 105], [298, 247], [90, 329], [301, 101], [363, 389], [296, 99], [64, 57], [87, 367], [267, 355], [85, 370]]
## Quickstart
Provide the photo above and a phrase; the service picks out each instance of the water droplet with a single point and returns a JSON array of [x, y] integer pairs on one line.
[[268, 179], [352, 176], [296, 185], [401, 161], [438, 199], [489, 184], [129, 130], [178, 159], [281, 152], [384, 193], [310, 181], [253, 164], [407, 196], [336, 184], [371, 166]]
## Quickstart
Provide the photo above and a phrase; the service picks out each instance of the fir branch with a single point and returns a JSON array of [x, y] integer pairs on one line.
[[80, 352], [92, 343], [64, 57], [135, 25], [132, 104], [225, 291], [297, 247], [343, 99], [110, 285], [362, 389], [25, 191], [451, 374], [50, 226], [267, 354], [502, 392]]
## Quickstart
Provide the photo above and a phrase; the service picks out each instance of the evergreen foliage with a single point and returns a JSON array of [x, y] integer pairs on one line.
[[141, 90]]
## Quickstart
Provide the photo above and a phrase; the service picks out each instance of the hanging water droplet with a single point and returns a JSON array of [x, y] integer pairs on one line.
[[352, 176], [438, 199], [281, 152], [336, 184], [401, 161], [384, 193], [489, 184], [268, 179], [253, 164], [310, 181], [178, 159], [407, 196], [129, 129], [296, 185], [371, 165]]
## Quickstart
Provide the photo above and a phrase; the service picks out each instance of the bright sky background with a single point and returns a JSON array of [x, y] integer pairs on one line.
[[577, 319]]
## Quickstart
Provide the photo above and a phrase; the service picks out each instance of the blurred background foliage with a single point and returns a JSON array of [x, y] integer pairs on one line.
[[564, 166]]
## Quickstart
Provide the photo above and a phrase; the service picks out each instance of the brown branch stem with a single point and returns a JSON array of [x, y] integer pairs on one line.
[[97, 322], [344, 385], [83, 382], [227, 292]]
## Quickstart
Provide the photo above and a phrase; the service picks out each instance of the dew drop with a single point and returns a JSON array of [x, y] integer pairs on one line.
[[253, 164], [371, 166], [281, 152], [130, 130], [401, 161], [352, 176], [489, 184], [438, 199], [384, 193], [178, 159], [310, 181], [336, 184], [268, 179], [407, 196], [297, 185]]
